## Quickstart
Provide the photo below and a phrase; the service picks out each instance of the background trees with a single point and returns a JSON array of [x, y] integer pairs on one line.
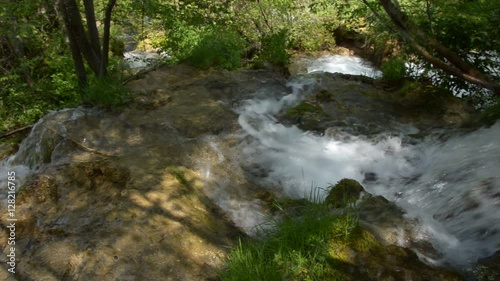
[[432, 50], [42, 42], [86, 44], [36, 72]]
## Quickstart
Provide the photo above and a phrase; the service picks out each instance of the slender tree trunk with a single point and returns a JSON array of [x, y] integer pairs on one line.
[[83, 46], [105, 39], [75, 50], [74, 25], [265, 17], [92, 27]]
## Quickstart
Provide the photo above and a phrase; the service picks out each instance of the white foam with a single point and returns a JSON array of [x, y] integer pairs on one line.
[[18, 175], [343, 64], [453, 186]]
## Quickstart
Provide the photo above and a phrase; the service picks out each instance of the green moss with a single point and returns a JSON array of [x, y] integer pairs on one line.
[[178, 173], [492, 113], [424, 98], [302, 108], [361, 240], [343, 193]]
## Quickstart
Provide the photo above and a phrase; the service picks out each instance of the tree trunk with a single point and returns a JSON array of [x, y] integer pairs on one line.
[[105, 39], [75, 50], [83, 46], [423, 43], [92, 27], [74, 25]]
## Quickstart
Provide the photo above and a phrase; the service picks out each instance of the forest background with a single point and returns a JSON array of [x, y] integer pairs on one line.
[[454, 43]]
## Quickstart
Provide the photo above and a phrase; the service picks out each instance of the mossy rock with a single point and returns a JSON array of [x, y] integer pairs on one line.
[[302, 109], [488, 268], [345, 192], [308, 115], [287, 206], [42, 188], [361, 257], [427, 104], [324, 96]]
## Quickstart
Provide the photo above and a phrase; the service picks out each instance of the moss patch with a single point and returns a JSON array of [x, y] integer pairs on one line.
[[343, 193], [301, 109], [308, 115]]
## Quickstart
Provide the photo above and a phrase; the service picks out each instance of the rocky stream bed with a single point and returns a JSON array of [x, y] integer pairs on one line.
[[159, 189]]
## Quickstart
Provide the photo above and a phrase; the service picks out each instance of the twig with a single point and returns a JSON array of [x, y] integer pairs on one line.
[[265, 17], [15, 131], [81, 145]]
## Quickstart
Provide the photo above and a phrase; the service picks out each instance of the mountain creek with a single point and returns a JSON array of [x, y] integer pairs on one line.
[[163, 187]]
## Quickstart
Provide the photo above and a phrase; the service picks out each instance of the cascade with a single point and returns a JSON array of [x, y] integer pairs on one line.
[[451, 186]]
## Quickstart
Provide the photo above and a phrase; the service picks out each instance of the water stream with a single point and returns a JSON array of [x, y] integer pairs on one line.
[[452, 186]]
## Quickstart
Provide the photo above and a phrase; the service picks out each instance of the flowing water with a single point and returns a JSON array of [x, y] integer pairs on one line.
[[451, 184]]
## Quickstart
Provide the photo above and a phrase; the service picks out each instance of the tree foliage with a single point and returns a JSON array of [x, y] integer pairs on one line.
[[36, 73], [41, 40], [434, 51]]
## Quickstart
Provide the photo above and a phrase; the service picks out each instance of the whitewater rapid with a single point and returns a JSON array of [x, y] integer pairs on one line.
[[451, 186]]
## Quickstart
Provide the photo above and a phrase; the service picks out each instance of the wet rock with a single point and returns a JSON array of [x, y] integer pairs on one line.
[[41, 189], [343, 193], [487, 269], [151, 99], [370, 177], [80, 216], [427, 105], [386, 221], [377, 262], [307, 115], [122, 191], [343, 102], [365, 108]]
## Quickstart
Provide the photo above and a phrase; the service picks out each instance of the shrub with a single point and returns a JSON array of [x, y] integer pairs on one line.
[[274, 48], [218, 47], [492, 112], [394, 71], [181, 39], [106, 92]]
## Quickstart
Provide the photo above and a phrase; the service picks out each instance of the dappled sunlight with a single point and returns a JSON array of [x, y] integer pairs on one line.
[[121, 194], [158, 189]]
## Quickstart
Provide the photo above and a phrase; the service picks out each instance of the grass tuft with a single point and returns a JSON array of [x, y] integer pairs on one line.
[[297, 248], [107, 92]]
